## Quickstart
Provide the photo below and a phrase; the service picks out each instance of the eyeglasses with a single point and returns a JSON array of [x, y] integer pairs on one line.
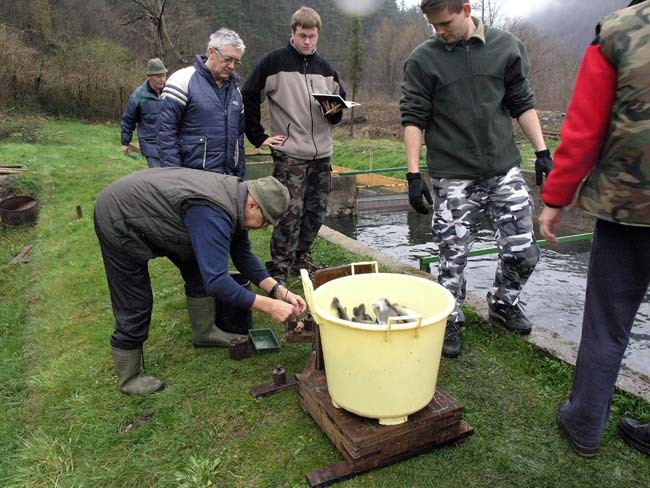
[[229, 59]]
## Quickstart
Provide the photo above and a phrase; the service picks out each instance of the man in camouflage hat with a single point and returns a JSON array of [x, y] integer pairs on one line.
[[142, 111], [606, 138], [198, 220]]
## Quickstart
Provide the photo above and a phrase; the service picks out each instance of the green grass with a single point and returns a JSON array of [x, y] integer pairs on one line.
[[358, 153], [64, 423]]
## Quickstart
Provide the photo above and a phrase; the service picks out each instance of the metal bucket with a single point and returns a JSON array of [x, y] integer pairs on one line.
[[382, 371], [18, 211]]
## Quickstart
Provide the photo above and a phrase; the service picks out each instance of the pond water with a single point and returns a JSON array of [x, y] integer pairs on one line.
[[553, 297]]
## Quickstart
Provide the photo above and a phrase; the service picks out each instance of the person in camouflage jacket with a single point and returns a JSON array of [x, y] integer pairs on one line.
[[606, 138]]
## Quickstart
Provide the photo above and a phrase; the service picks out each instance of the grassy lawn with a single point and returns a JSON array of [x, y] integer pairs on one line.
[[64, 423], [358, 154]]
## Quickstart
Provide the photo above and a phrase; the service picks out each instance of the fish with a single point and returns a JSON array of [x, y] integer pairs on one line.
[[384, 309], [360, 315], [336, 304]]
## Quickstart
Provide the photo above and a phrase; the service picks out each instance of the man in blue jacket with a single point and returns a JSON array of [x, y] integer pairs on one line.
[[142, 111], [201, 122]]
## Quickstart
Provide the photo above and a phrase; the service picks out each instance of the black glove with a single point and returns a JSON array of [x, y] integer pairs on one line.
[[543, 165], [417, 189]]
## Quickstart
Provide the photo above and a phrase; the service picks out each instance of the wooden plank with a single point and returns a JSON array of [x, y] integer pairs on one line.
[[363, 440], [21, 257], [331, 474], [271, 388], [359, 438], [254, 151], [299, 338], [343, 470], [322, 276]]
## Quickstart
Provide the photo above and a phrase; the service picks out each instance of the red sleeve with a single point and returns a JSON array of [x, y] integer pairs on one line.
[[584, 130]]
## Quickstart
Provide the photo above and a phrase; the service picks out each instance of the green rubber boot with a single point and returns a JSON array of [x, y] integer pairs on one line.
[[204, 332], [128, 366]]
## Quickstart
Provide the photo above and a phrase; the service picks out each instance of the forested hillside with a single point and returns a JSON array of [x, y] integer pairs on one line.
[[83, 58]]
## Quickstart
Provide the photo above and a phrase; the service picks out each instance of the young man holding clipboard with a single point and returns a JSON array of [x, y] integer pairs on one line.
[[301, 142]]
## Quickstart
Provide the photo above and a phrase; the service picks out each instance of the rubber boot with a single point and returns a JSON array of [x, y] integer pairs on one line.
[[204, 332], [128, 366]]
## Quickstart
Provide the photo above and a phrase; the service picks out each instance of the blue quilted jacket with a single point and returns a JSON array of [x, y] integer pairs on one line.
[[196, 129]]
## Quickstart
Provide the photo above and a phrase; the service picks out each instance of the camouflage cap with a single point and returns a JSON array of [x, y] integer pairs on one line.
[[155, 67], [272, 197]]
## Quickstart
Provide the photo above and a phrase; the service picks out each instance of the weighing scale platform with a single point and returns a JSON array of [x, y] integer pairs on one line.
[[364, 443]]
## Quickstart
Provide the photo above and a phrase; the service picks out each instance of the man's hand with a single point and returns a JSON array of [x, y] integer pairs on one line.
[[543, 165], [418, 189], [549, 223], [125, 149], [280, 311], [274, 140], [299, 305]]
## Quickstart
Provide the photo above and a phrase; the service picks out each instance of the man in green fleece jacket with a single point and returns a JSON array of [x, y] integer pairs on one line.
[[462, 87]]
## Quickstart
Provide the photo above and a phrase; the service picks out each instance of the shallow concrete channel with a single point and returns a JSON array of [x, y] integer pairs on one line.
[[385, 230]]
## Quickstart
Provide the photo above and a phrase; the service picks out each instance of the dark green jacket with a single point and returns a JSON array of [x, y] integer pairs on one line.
[[142, 213], [464, 97]]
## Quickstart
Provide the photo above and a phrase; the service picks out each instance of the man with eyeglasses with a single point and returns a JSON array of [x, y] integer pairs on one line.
[[201, 123], [301, 136]]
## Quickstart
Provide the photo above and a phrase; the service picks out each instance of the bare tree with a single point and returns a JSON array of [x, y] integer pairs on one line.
[[552, 66], [489, 11], [355, 63], [162, 37], [392, 44]]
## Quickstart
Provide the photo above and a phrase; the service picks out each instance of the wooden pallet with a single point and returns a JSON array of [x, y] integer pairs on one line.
[[365, 444]]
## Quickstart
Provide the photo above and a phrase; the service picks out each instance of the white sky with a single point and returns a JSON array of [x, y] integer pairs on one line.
[[512, 8]]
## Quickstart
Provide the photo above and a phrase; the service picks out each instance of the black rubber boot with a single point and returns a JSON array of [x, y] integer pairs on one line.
[[128, 366], [453, 339], [635, 434]]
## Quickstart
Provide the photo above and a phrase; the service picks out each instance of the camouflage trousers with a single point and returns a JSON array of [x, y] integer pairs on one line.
[[458, 208], [309, 183]]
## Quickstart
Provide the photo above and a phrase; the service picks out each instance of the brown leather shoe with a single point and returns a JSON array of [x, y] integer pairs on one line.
[[580, 449]]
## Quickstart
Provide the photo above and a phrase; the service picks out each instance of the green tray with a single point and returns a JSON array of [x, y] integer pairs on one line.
[[264, 341]]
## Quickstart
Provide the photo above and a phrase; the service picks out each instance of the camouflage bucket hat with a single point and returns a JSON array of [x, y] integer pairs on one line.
[[155, 67], [272, 197]]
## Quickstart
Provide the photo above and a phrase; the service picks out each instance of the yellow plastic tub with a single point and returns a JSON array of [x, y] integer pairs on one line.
[[378, 371]]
